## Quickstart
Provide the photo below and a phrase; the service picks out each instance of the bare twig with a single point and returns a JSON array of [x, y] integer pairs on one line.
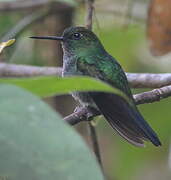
[[153, 96], [89, 17], [148, 80], [95, 143], [12, 70], [136, 80]]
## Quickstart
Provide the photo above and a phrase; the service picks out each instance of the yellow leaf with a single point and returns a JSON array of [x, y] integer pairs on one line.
[[6, 43]]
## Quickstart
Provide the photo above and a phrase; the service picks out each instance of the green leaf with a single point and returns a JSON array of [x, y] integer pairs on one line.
[[36, 144], [50, 86]]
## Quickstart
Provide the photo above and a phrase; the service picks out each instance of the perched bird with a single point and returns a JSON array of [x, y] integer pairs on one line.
[[85, 55]]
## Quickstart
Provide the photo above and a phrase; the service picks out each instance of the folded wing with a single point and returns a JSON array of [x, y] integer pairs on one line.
[[124, 119]]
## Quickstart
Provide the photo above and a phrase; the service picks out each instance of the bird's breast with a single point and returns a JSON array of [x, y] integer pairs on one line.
[[70, 67]]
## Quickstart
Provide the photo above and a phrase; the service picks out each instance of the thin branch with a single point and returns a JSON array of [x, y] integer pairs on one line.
[[153, 96], [12, 70], [82, 113], [89, 17], [148, 80], [136, 80], [141, 98], [95, 143]]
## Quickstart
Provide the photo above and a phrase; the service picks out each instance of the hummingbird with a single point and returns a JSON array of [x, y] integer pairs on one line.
[[84, 55]]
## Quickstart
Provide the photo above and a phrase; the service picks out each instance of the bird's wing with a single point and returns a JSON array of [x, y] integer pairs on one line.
[[126, 120], [106, 69]]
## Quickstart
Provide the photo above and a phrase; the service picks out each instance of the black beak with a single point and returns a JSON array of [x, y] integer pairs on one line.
[[48, 37]]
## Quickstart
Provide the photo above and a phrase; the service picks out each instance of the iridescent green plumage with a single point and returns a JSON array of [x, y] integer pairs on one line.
[[85, 55]]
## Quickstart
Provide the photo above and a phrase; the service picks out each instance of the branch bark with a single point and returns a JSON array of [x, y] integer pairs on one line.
[[89, 17], [13, 70], [136, 80], [81, 113], [149, 80], [153, 96]]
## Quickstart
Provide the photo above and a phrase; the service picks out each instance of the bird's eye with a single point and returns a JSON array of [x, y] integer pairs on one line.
[[77, 36]]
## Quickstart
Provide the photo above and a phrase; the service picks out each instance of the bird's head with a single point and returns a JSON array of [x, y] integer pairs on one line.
[[77, 40]]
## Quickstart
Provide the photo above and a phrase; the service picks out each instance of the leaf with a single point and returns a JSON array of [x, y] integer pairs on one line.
[[159, 27], [37, 144], [52, 85], [6, 44]]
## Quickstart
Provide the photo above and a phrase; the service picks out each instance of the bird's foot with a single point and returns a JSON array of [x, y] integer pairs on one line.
[[77, 109], [90, 112]]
